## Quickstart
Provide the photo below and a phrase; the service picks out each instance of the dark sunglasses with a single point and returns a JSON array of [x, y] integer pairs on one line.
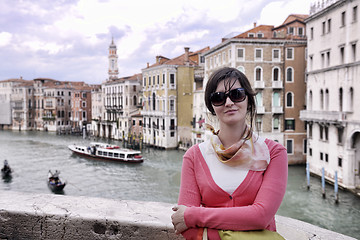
[[235, 95]]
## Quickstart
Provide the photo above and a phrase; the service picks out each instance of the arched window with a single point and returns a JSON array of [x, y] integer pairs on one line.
[[154, 102], [289, 99], [310, 100], [258, 74], [340, 99], [351, 98], [276, 99], [134, 100], [241, 69], [321, 99], [326, 99], [289, 74], [276, 74]]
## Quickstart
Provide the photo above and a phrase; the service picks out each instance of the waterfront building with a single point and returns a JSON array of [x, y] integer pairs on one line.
[[333, 85], [273, 59], [121, 101], [6, 90], [168, 100], [22, 110], [81, 110], [96, 109]]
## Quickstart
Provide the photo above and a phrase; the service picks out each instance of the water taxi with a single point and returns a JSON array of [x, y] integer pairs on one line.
[[108, 152]]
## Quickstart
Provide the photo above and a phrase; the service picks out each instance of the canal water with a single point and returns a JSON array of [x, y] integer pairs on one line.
[[32, 154]]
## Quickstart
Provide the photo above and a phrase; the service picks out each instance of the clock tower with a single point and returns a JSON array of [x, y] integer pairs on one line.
[[113, 66]]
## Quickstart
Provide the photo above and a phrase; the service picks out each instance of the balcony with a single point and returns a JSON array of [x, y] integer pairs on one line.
[[260, 109], [277, 110], [334, 117], [259, 84], [277, 84]]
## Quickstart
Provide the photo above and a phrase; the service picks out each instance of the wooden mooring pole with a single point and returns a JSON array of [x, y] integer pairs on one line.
[[308, 175]]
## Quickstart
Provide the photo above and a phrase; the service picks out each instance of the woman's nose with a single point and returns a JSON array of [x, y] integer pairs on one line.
[[228, 101]]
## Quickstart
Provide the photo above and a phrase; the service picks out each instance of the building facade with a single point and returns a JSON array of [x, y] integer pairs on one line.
[[333, 72], [168, 101], [273, 59]]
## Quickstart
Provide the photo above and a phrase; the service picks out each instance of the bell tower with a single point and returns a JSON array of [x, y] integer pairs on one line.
[[113, 57]]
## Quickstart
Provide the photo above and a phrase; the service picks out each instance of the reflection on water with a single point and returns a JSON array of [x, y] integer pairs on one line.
[[32, 154]]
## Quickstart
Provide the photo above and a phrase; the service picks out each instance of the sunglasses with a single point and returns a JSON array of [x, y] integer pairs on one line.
[[235, 95]]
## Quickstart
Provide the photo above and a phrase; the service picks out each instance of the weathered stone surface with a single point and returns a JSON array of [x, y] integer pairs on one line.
[[48, 216]]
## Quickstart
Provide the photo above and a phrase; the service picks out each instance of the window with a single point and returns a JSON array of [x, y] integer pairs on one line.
[[354, 15], [289, 74], [310, 152], [301, 31], [241, 69], [289, 146], [340, 131], [311, 33], [342, 55], [328, 59], [353, 50], [340, 99], [251, 35], [258, 124], [153, 80], [276, 73], [276, 99], [276, 124], [260, 35], [322, 60], [240, 53], [321, 156], [291, 30], [329, 25], [172, 78], [323, 28], [258, 54], [172, 105], [321, 99], [351, 97], [163, 78], [343, 19], [258, 74], [289, 100], [305, 146], [276, 55], [259, 101], [289, 124], [340, 162], [290, 53]]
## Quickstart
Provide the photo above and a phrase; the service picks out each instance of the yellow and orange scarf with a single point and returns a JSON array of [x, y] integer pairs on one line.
[[246, 153]]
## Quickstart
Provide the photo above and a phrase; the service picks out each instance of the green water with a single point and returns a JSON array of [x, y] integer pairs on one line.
[[32, 154]]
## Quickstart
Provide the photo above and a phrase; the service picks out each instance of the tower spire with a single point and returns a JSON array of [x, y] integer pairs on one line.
[[113, 57]]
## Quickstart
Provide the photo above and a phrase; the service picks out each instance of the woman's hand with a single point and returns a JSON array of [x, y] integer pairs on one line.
[[178, 219]]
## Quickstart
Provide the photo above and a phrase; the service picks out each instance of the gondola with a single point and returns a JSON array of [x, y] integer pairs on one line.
[[6, 170], [5, 173], [54, 182]]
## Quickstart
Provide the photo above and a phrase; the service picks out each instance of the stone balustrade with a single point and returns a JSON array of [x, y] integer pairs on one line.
[[49, 216]]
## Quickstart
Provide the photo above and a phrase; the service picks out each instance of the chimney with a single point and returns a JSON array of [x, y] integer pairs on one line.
[[186, 54], [158, 59], [147, 65], [254, 24]]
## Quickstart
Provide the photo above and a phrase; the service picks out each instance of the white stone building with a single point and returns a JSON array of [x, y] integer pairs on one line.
[[333, 87]]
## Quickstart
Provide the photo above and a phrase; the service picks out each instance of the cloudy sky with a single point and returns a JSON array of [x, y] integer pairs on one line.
[[68, 40]]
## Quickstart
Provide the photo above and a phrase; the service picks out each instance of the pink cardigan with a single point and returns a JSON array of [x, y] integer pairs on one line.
[[253, 204]]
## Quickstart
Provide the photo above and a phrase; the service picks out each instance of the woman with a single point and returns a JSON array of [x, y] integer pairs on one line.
[[236, 180]]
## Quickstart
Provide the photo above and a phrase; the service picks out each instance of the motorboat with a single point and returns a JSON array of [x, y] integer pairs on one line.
[[108, 152]]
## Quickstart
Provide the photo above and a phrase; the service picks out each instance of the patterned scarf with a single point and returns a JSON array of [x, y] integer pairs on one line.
[[245, 154]]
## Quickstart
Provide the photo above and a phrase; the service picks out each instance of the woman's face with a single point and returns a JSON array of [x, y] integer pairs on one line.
[[231, 112]]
